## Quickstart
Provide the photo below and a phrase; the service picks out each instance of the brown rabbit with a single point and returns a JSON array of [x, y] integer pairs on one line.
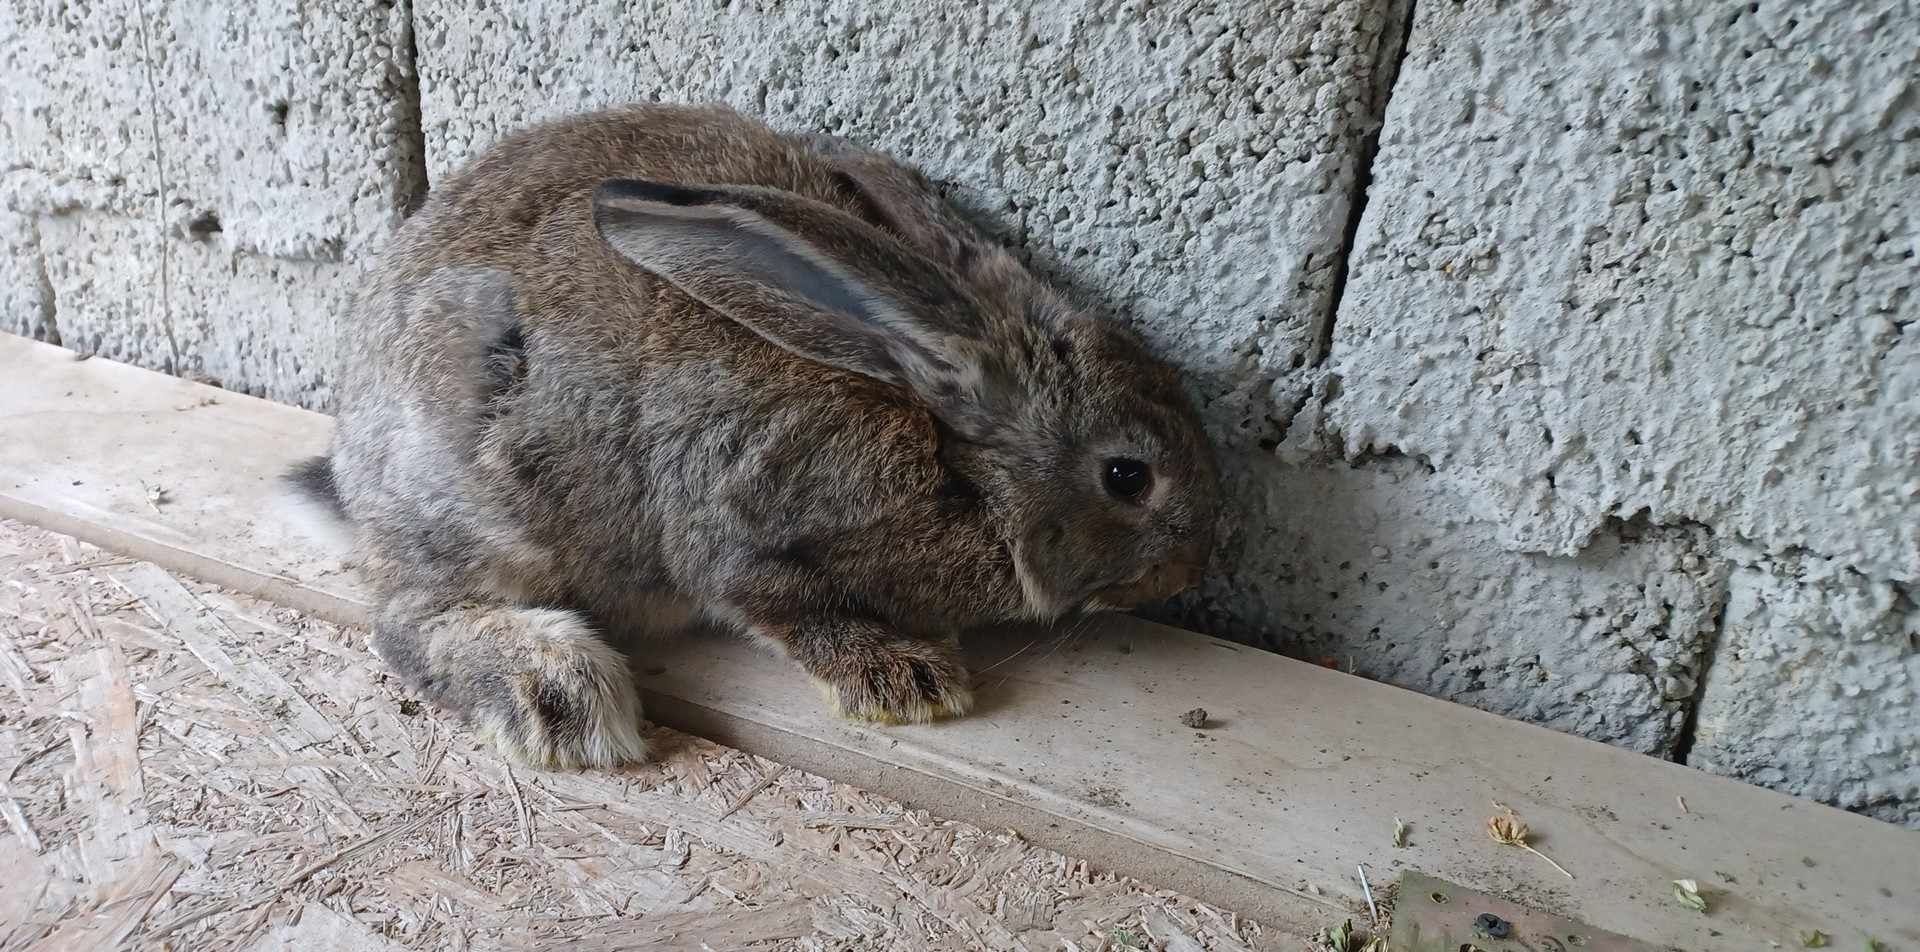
[[663, 363]]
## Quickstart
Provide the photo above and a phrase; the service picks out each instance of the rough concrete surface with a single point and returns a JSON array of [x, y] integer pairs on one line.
[[26, 302], [251, 322], [204, 164], [1815, 688], [1657, 264], [1636, 260], [1377, 570]]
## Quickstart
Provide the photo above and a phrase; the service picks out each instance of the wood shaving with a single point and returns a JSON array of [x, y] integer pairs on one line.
[[189, 768]]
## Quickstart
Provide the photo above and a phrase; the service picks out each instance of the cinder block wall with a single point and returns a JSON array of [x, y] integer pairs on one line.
[[1560, 354]]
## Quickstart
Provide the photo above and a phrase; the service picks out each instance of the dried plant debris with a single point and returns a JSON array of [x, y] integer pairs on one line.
[[1340, 937], [1814, 940], [1508, 830], [1400, 829], [1343, 938], [249, 778], [1196, 718], [1687, 893]]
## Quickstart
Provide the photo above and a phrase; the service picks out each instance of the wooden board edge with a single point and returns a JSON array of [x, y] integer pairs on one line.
[[1294, 914], [265, 585]]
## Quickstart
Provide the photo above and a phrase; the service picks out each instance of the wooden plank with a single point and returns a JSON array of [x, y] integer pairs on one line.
[[1269, 811], [106, 765]]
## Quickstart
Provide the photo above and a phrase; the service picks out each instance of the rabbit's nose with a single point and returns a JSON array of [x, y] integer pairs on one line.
[[1185, 575], [1172, 578]]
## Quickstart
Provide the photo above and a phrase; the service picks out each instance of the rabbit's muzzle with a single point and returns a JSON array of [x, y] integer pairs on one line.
[[1157, 584]]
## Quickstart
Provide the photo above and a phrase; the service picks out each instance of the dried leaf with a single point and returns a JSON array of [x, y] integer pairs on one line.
[[1687, 893], [1814, 940], [1508, 830], [1399, 833], [156, 496]]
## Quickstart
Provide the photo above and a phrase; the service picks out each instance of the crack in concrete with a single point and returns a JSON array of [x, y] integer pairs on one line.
[[1690, 722], [410, 125], [49, 300], [160, 199], [1392, 50]]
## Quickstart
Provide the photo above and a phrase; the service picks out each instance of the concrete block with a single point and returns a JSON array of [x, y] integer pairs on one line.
[[252, 323], [1815, 686], [1378, 569], [1655, 265], [279, 134], [26, 300], [1629, 259], [74, 79], [1190, 163]]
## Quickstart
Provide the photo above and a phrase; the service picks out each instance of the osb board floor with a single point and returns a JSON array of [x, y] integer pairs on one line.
[[185, 768]]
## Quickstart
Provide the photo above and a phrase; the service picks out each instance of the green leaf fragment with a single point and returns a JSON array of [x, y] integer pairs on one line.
[[1687, 893], [1340, 937]]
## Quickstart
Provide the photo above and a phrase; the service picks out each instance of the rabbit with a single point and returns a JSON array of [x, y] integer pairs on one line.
[[661, 365]]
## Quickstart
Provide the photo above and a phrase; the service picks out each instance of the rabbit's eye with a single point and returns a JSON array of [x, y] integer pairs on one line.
[[1128, 478]]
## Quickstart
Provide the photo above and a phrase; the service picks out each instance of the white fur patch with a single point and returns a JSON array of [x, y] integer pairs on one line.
[[312, 520]]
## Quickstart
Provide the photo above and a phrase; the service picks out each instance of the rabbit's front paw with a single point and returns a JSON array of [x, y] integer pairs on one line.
[[897, 682], [537, 685]]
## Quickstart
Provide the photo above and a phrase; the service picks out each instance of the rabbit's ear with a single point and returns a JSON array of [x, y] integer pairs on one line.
[[902, 200], [847, 295]]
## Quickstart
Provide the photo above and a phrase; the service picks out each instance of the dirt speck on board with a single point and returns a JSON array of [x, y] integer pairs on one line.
[[182, 767], [1196, 718]]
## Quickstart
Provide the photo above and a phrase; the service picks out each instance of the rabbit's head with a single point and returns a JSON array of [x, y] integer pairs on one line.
[[1084, 446], [1103, 471]]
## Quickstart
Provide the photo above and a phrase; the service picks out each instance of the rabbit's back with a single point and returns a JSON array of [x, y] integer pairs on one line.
[[517, 219], [523, 401]]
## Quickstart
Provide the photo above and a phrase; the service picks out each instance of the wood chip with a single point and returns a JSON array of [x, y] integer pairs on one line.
[[245, 778]]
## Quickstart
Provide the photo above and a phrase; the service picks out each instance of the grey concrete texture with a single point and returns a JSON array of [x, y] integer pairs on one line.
[[1607, 421], [1814, 687], [26, 299], [1637, 260], [202, 176], [255, 323], [1379, 569], [1656, 265]]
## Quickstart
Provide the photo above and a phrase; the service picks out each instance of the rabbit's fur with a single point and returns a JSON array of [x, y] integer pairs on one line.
[[659, 363]]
